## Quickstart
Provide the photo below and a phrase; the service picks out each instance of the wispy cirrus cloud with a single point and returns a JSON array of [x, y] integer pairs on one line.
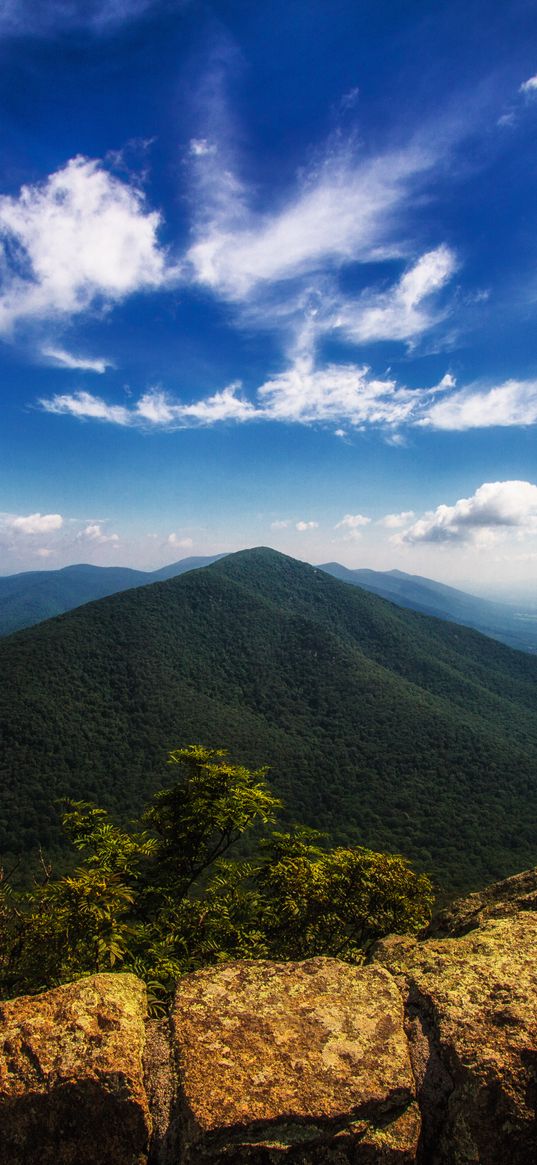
[[529, 87], [404, 311], [344, 211], [80, 238], [331, 395], [494, 509], [63, 359], [305, 395], [512, 403], [50, 17]]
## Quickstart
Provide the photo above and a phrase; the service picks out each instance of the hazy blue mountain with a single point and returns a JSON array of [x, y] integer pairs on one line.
[[31, 597], [380, 725], [510, 624]]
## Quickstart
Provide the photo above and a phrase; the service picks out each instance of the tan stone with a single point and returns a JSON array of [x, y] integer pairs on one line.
[[71, 1077], [472, 1023], [307, 1061]]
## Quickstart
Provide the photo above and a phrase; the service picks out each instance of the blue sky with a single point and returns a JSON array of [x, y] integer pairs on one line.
[[269, 277]]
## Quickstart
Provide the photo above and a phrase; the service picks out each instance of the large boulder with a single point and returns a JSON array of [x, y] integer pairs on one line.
[[306, 1062], [471, 1005], [71, 1075]]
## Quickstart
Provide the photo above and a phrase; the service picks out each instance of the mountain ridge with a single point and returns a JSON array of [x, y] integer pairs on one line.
[[381, 725]]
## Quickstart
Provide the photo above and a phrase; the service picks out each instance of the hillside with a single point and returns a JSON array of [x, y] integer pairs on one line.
[[36, 595], [384, 726], [517, 628]]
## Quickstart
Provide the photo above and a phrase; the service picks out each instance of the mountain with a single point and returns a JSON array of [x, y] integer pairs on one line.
[[383, 726], [31, 597], [509, 624]]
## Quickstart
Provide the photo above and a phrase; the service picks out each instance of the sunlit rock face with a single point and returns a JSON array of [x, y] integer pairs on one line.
[[313, 1064], [71, 1075], [426, 1056], [471, 1018]]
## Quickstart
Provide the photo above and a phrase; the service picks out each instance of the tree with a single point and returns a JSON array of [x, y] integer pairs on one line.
[[169, 896]]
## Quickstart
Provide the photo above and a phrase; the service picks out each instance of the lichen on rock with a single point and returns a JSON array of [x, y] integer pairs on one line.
[[471, 1007], [303, 1061], [71, 1075]]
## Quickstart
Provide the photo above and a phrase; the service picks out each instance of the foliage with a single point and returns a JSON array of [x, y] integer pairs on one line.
[[164, 899]]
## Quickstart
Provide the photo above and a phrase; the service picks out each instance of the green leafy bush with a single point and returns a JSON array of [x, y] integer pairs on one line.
[[169, 896]]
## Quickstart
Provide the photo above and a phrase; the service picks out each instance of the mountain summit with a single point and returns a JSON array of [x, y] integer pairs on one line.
[[385, 727]]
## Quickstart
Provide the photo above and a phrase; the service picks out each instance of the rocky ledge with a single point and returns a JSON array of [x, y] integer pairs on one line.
[[428, 1055]]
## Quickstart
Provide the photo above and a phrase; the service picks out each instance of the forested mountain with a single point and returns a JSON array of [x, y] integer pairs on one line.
[[383, 726], [35, 595], [517, 628]]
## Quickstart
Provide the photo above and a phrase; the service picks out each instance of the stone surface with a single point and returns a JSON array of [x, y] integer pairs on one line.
[[71, 1078], [472, 1023], [499, 900], [303, 1061]]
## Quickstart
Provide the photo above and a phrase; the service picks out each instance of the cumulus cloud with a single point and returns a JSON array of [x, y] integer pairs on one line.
[[301, 526], [94, 532], [176, 543], [395, 521], [65, 359], [352, 522], [280, 525], [496, 507], [80, 238], [31, 523]]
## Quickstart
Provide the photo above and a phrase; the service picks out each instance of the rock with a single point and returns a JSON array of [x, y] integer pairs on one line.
[[71, 1077], [497, 901], [472, 1023], [306, 1062]]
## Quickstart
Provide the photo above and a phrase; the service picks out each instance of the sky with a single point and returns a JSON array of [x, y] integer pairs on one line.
[[269, 277]]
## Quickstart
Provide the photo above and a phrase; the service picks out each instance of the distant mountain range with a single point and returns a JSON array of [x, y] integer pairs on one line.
[[380, 725], [31, 597], [509, 624]]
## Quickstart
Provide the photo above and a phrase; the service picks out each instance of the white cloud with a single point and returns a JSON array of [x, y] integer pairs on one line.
[[84, 363], [395, 521], [80, 238], [280, 525], [86, 406], [93, 532], [301, 395], [332, 395], [156, 409], [179, 543], [335, 393], [511, 403], [200, 147], [301, 526], [352, 522], [31, 523], [496, 507], [400, 313], [529, 86], [344, 211]]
